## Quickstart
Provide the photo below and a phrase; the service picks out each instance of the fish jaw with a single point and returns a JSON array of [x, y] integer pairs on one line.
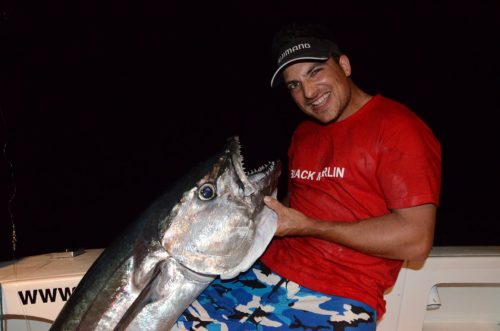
[[213, 236]]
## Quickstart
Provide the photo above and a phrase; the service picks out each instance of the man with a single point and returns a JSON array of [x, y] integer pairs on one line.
[[364, 182]]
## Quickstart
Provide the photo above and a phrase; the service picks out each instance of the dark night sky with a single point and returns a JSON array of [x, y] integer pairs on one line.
[[104, 103]]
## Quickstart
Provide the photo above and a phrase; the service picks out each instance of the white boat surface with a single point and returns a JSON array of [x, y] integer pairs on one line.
[[456, 289]]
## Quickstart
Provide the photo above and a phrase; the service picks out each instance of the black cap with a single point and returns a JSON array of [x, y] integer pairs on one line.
[[300, 50]]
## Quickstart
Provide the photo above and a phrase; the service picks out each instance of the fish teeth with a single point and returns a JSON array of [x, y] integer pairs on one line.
[[241, 159], [268, 167]]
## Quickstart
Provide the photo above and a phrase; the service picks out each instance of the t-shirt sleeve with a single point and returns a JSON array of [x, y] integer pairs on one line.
[[410, 164]]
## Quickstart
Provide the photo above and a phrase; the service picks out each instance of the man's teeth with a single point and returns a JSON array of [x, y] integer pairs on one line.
[[320, 101]]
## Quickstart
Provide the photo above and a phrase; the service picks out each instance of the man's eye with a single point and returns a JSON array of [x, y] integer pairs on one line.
[[315, 72], [292, 85]]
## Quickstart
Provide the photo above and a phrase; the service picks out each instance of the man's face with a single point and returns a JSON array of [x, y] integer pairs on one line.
[[321, 89]]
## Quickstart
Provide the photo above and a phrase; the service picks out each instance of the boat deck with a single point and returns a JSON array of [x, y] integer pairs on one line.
[[455, 289]]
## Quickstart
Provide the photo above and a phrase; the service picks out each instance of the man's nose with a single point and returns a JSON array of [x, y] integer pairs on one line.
[[309, 90]]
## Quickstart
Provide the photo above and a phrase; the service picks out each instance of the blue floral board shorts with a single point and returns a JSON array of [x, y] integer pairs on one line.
[[259, 299]]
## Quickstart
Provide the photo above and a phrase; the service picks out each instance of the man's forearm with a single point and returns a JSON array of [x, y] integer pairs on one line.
[[404, 234]]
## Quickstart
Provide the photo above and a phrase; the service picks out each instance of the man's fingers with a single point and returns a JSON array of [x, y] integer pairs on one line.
[[272, 203]]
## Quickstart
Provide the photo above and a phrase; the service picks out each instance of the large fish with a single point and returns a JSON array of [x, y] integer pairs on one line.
[[210, 223]]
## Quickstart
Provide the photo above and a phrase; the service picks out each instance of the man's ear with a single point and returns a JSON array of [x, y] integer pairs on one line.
[[345, 65]]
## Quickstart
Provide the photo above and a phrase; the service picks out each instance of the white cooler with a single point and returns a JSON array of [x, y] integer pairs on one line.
[[34, 289]]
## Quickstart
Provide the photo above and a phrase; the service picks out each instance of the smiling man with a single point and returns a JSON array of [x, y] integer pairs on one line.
[[346, 233], [364, 183]]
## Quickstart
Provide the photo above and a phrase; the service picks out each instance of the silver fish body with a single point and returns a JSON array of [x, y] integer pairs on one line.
[[210, 223]]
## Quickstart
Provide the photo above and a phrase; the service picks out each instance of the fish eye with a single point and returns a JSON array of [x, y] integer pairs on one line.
[[207, 191]]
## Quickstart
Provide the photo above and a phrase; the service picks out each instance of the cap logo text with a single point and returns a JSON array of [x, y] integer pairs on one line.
[[293, 49]]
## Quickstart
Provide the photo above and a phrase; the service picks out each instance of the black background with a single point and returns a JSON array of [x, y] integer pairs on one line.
[[104, 103]]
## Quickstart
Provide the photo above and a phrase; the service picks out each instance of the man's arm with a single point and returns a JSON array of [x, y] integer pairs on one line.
[[404, 234]]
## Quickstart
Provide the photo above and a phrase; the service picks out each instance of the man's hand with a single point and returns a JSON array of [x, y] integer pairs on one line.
[[291, 222]]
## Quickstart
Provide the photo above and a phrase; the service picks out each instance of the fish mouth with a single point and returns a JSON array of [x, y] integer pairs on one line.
[[260, 180]]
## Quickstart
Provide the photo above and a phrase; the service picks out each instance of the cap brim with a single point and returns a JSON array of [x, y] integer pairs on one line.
[[276, 79]]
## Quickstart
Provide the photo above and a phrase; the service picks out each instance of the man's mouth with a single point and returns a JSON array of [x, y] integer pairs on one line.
[[321, 100]]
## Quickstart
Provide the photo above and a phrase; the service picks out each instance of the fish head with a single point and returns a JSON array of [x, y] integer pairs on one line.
[[216, 225]]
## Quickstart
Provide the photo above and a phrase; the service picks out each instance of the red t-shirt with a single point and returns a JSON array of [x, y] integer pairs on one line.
[[382, 157]]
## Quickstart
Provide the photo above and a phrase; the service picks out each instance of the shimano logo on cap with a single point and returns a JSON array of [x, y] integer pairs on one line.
[[293, 49]]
